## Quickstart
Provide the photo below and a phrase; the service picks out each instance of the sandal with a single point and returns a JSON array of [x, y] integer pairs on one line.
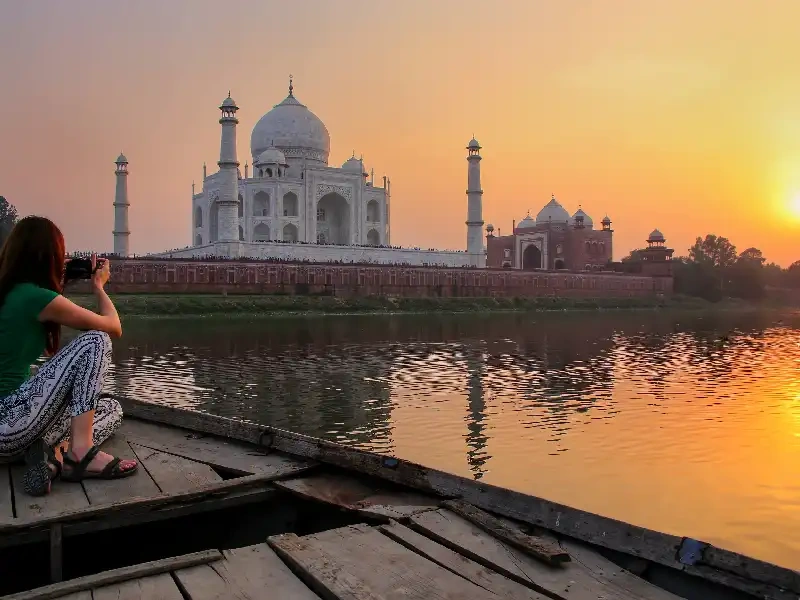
[[39, 457], [77, 469]]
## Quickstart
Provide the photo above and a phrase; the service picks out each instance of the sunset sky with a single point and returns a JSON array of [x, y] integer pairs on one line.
[[681, 114]]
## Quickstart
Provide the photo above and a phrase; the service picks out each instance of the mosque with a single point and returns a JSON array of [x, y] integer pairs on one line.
[[293, 205]]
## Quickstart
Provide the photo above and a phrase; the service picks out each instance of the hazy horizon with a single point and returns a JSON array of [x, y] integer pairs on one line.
[[680, 115]]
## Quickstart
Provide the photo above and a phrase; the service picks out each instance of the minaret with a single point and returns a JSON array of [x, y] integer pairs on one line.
[[475, 206], [121, 231], [228, 174]]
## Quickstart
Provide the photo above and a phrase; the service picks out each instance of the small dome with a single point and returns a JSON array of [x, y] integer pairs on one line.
[[526, 223], [656, 236], [606, 220], [552, 212], [587, 220], [228, 101], [354, 165], [271, 156], [473, 145], [490, 228], [121, 159]]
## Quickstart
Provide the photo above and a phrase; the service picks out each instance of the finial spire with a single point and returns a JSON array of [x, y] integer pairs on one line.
[[291, 87], [229, 93]]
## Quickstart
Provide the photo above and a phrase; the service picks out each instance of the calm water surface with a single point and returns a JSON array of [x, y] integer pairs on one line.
[[685, 423]]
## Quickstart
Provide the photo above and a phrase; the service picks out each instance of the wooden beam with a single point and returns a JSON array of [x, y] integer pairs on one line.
[[603, 531], [542, 550], [56, 553], [89, 582]]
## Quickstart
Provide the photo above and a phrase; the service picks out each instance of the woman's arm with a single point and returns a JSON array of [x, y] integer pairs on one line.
[[65, 312]]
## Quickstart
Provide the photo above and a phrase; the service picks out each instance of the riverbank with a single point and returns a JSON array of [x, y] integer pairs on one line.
[[194, 305]]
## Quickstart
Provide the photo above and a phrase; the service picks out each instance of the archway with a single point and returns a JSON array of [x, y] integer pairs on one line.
[[560, 264], [261, 233], [198, 240], [241, 234], [289, 233], [373, 211], [531, 258], [290, 205], [241, 206], [198, 217], [261, 204], [373, 238], [321, 239], [334, 219], [214, 222]]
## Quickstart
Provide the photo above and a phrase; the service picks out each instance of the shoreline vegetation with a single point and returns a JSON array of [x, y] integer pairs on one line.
[[233, 305]]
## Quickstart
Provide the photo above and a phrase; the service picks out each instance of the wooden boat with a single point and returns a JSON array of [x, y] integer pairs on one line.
[[231, 509]]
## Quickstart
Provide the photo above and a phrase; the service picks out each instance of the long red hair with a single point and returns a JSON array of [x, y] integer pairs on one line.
[[34, 252]]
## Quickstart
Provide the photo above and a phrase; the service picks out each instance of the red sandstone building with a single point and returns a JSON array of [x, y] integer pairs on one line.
[[552, 241]]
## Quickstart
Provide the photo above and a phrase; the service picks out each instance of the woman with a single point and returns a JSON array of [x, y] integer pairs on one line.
[[61, 402]]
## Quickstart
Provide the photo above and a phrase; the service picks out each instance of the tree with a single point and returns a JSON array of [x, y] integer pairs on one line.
[[8, 217], [746, 277], [634, 256], [714, 250]]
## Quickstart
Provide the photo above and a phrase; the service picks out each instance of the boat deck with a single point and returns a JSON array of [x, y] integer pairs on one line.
[[439, 555]]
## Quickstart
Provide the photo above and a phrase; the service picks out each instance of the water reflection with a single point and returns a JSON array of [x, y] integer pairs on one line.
[[687, 423]]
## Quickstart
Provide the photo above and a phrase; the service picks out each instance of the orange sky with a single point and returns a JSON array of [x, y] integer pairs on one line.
[[682, 115]]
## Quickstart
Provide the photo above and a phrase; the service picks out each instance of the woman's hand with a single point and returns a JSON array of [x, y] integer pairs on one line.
[[102, 273]]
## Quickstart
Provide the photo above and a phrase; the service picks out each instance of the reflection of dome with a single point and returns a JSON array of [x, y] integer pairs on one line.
[[354, 165], [552, 212], [526, 223], [294, 129], [656, 236], [271, 156], [587, 220]]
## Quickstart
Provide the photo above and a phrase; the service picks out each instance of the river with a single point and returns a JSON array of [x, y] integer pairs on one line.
[[688, 423]]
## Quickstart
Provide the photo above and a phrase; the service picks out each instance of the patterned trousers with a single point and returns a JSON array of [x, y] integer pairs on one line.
[[67, 385]]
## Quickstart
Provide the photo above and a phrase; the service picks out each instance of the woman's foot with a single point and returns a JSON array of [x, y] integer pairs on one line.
[[81, 463]]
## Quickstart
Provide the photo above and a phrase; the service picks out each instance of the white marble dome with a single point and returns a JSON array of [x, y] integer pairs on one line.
[[353, 165], [294, 129], [656, 236], [552, 212], [526, 223], [121, 159], [271, 156], [587, 220]]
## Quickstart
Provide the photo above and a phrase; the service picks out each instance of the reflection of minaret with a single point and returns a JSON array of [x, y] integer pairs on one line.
[[476, 439]]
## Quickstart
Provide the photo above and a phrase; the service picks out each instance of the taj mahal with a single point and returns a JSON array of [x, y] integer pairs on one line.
[[292, 205]]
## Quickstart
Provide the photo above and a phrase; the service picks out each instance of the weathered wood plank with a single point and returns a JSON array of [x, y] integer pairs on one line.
[[6, 495], [87, 595], [569, 580], [460, 565], [81, 584], [63, 496], [368, 498], [582, 525], [140, 485], [547, 551], [225, 454], [359, 563], [155, 587], [173, 474], [250, 573], [136, 504]]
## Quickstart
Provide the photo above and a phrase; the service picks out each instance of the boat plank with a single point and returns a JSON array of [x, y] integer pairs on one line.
[[360, 563], [174, 474], [548, 551], [250, 573], [140, 485], [63, 496], [595, 529], [452, 561], [367, 498], [6, 495], [87, 595], [238, 458], [569, 580], [155, 587]]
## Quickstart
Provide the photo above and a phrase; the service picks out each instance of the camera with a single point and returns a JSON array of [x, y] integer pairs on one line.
[[80, 268]]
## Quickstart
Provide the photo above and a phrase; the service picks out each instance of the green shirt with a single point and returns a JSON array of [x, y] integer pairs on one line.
[[22, 336]]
